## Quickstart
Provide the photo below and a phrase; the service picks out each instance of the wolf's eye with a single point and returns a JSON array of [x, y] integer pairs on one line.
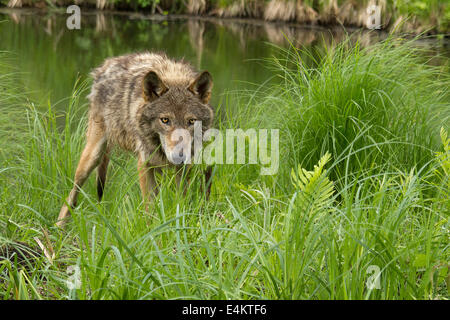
[[191, 121], [165, 120]]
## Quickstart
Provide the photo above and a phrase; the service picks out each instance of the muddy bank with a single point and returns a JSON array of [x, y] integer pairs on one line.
[[245, 29], [280, 33], [418, 17]]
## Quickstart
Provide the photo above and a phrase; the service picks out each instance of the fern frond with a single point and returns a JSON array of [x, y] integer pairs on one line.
[[315, 189], [444, 157]]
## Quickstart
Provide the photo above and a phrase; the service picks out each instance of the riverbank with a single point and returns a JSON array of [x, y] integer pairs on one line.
[[429, 16]]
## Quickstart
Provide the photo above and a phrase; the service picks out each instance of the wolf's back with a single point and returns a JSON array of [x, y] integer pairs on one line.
[[118, 81]]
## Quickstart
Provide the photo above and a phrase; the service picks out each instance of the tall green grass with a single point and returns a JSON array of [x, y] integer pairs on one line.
[[358, 210], [375, 109]]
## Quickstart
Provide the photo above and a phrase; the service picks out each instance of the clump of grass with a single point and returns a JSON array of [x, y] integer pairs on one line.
[[379, 107], [332, 231]]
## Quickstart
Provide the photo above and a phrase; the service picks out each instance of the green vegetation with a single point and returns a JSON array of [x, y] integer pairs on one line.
[[363, 187], [433, 15], [360, 102]]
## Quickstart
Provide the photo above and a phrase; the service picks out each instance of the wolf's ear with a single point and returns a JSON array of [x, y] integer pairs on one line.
[[153, 87], [202, 85]]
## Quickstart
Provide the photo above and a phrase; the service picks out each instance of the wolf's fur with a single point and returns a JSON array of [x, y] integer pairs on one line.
[[131, 96]]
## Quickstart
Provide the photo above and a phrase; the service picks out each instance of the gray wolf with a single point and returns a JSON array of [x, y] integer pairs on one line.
[[136, 103]]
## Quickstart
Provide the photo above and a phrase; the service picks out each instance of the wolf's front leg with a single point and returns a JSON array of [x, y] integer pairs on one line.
[[90, 158]]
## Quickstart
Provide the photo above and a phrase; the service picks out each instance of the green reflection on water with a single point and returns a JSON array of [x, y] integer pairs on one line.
[[51, 57]]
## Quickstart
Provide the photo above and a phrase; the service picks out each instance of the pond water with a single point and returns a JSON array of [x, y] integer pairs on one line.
[[51, 57]]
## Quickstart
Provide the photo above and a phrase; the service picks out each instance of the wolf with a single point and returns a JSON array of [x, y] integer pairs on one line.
[[137, 101]]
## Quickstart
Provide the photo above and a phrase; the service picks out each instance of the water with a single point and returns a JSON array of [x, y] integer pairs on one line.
[[51, 57]]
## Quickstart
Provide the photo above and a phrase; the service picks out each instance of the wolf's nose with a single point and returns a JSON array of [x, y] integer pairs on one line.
[[179, 157]]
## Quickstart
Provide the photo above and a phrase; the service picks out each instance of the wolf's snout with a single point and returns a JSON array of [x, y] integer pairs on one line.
[[179, 154], [177, 146], [179, 158]]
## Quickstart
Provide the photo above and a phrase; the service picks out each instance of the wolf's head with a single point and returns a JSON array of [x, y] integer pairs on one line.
[[172, 112]]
